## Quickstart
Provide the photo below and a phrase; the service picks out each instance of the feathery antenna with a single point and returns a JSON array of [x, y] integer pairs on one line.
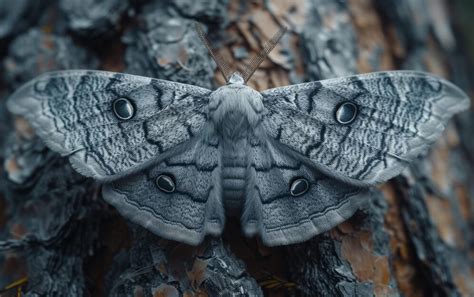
[[249, 68], [262, 54], [222, 64]]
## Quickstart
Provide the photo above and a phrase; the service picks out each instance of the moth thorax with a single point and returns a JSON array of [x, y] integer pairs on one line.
[[235, 126], [235, 100]]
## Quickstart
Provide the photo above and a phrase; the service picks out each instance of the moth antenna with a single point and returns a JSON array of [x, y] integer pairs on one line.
[[222, 64], [263, 53]]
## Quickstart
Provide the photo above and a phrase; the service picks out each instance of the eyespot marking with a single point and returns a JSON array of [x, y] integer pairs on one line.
[[346, 113], [123, 109], [299, 186], [165, 183]]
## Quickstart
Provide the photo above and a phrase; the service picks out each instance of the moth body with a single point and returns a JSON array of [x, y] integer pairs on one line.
[[235, 111], [290, 162]]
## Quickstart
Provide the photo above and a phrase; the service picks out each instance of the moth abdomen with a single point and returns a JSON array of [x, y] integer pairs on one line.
[[234, 176]]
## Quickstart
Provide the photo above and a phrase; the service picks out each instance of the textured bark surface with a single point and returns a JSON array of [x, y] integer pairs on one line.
[[414, 237]]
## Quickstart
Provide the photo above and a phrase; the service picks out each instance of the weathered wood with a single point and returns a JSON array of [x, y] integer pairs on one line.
[[413, 237]]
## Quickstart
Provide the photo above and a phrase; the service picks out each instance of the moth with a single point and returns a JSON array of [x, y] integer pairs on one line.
[[291, 162]]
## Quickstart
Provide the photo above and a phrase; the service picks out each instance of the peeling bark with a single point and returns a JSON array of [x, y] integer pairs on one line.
[[413, 238]]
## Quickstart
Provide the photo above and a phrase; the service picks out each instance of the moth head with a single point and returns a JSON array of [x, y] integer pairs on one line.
[[236, 79], [248, 69]]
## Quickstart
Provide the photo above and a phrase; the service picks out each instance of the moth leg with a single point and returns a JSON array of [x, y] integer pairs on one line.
[[215, 214], [252, 215]]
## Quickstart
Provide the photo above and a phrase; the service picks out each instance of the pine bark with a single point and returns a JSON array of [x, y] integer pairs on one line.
[[413, 238]]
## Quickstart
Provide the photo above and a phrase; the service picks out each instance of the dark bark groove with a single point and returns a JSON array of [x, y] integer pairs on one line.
[[413, 238]]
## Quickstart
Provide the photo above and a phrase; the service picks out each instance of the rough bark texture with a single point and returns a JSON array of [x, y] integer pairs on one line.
[[414, 237]]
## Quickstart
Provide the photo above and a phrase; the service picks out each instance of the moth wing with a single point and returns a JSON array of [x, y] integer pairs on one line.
[[398, 116], [73, 112], [187, 214], [279, 217]]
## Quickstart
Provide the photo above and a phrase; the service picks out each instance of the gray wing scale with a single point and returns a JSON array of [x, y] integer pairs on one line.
[[193, 210], [72, 111], [281, 218], [400, 114]]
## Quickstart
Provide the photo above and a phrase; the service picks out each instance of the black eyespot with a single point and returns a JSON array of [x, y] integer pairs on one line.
[[165, 183], [346, 113], [123, 109], [299, 186]]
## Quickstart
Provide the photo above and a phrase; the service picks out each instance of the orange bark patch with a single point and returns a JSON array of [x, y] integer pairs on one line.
[[13, 266], [396, 47], [299, 62], [11, 165], [162, 268], [245, 30], [293, 13], [259, 80], [441, 212], [199, 293], [18, 230], [48, 42], [183, 56], [464, 281], [440, 209], [112, 59], [402, 260], [23, 128], [439, 161], [265, 22], [162, 61], [138, 291], [197, 275], [434, 58], [165, 291], [370, 36], [462, 193], [357, 249]]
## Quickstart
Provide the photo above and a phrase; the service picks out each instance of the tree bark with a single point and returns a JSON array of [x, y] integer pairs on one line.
[[412, 238]]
